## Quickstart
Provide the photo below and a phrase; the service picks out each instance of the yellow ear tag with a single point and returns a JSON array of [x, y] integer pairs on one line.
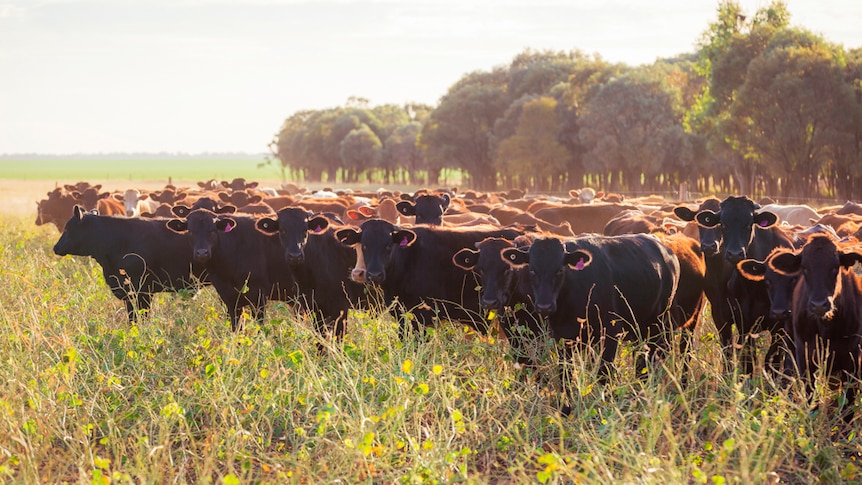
[[492, 315]]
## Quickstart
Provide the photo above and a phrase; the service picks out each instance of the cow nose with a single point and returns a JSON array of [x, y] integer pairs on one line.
[[735, 255], [130, 213], [358, 275], [202, 255], [709, 248], [819, 308], [376, 277], [490, 303], [545, 309], [295, 257], [782, 314]]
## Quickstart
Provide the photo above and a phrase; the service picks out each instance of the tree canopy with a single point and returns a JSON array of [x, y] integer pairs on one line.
[[760, 107]]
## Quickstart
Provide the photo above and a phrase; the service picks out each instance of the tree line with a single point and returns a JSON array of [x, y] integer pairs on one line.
[[761, 107]]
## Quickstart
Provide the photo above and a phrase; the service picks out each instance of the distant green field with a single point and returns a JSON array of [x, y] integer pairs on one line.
[[130, 169]]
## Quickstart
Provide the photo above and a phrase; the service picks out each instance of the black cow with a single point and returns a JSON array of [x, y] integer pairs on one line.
[[245, 266], [428, 209], [730, 231], [321, 265], [827, 307], [139, 257], [779, 285], [412, 265], [505, 290], [597, 288]]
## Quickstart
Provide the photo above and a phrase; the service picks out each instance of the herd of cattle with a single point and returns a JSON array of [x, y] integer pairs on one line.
[[590, 268]]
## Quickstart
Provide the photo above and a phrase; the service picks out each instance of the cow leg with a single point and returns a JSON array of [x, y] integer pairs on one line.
[[144, 302], [130, 309], [609, 353], [567, 352], [778, 354], [519, 338]]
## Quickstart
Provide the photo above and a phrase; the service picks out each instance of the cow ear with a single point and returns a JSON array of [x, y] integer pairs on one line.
[[318, 224], [225, 184], [68, 187], [707, 219], [752, 269], [179, 226], [225, 224], [225, 209], [348, 236], [202, 185], [255, 199], [684, 213], [251, 185], [516, 256], [765, 219], [404, 237], [180, 196], [849, 257], [224, 197], [366, 211], [579, 259], [77, 212], [76, 195], [575, 193], [786, 263], [354, 215], [406, 208], [104, 195], [181, 211], [446, 201], [118, 197], [267, 225], [143, 196], [407, 197], [466, 259], [96, 187]]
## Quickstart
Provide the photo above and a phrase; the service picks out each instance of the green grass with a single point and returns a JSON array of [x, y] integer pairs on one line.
[[85, 397], [141, 169]]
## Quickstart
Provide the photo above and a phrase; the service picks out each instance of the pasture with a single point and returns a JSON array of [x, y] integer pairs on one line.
[[86, 397]]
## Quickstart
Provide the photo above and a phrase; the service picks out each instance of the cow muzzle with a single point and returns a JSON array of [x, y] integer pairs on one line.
[[294, 257], [820, 309], [202, 255], [376, 277], [546, 309]]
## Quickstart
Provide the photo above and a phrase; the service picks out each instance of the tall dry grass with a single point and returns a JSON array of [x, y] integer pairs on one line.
[[85, 397]]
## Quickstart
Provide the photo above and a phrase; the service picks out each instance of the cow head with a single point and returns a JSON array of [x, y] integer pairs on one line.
[[820, 262], [779, 285], [709, 236], [293, 226], [89, 198], [428, 209], [75, 234], [736, 221], [547, 261], [499, 279], [204, 227], [377, 239]]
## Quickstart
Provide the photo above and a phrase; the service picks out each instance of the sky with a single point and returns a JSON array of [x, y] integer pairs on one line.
[[194, 76]]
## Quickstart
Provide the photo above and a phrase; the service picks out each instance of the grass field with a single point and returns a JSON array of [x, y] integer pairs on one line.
[[129, 170], [86, 397]]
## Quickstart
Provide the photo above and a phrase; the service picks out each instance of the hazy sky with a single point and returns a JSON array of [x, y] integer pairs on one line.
[[221, 75]]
